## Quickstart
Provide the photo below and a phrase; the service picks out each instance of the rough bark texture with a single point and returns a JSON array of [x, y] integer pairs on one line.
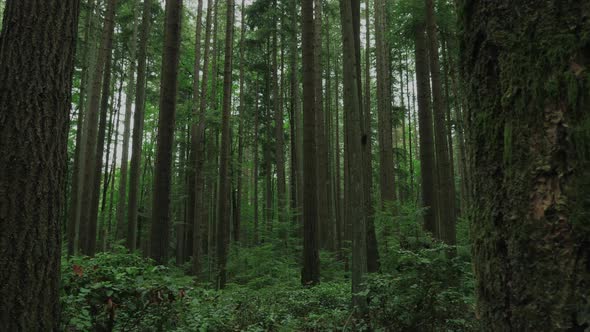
[[310, 274], [160, 231], [427, 165], [355, 139], [529, 142], [223, 215], [137, 136], [37, 46]]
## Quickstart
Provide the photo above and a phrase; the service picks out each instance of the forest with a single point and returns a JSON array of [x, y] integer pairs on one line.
[[295, 165]]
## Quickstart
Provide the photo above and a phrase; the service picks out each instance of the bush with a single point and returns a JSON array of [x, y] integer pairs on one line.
[[118, 291]]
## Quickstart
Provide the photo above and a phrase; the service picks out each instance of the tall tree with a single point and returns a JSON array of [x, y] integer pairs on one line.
[[324, 221], [310, 274], [425, 123], [130, 92], [241, 115], [194, 143], [224, 181], [279, 129], [35, 99], [445, 183], [529, 140], [386, 170], [160, 231], [355, 140], [88, 173], [199, 202], [87, 55], [137, 136]]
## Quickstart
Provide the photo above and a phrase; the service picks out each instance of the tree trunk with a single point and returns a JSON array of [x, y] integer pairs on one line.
[[427, 165], [199, 209], [89, 204], [127, 128], [242, 113], [356, 141], [529, 132], [279, 131], [310, 274], [224, 179], [136, 147], [445, 190], [35, 99], [294, 119], [75, 193], [372, 248], [386, 170], [160, 231]]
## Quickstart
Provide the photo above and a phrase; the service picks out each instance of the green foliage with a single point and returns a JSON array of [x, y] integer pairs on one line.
[[121, 291]]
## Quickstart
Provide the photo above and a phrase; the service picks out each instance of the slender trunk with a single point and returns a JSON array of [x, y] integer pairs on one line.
[[89, 203], [356, 142], [446, 209], [160, 231], [279, 130], [127, 128], [136, 147], [310, 274], [427, 165], [224, 180], [296, 190], [199, 209], [242, 112], [75, 193]]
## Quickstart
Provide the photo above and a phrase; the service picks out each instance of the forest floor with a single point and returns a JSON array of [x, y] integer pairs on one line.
[[418, 289]]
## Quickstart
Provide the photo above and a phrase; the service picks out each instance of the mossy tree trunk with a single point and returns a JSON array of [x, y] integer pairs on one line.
[[526, 67], [35, 100]]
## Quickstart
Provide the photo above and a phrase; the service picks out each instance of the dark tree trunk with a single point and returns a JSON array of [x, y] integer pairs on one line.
[[528, 93], [294, 118], [160, 231], [194, 153], [310, 274], [224, 179], [279, 132], [199, 217], [35, 99], [356, 140], [386, 170], [426, 140], [137, 136]]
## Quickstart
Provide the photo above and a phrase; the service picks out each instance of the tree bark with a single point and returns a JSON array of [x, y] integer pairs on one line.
[[35, 99], [224, 179], [445, 189], [88, 173], [137, 136], [356, 141], [427, 165], [310, 274], [122, 192], [160, 231], [525, 65], [199, 217]]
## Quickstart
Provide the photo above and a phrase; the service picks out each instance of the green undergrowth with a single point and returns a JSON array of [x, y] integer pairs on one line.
[[418, 289]]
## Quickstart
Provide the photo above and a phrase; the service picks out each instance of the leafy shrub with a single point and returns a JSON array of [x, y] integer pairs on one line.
[[118, 291]]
